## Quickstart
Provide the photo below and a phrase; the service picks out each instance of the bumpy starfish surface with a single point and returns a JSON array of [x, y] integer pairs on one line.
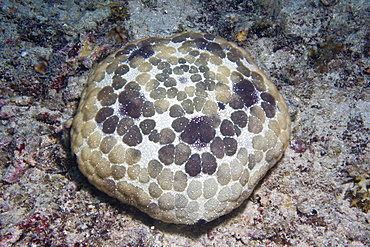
[[183, 127]]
